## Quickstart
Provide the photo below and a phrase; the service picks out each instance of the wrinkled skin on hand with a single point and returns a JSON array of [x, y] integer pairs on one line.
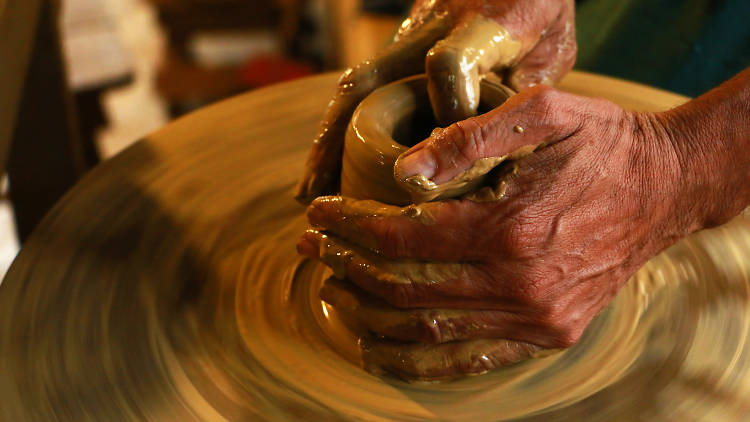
[[577, 219], [526, 42]]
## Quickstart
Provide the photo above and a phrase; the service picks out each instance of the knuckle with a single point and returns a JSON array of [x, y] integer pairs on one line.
[[564, 331], [452, 135], [543, 97], [555, 108], [459, 144], [472, 138]]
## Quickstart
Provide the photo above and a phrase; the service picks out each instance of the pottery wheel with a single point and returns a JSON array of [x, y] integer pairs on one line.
[[166, 286]]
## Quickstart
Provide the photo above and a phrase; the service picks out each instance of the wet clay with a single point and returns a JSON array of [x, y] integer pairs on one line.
[[166, 286], [369, 155], [399, 60], [371, 149], [441, 362], [339, 255], [422, 189], [455, 65]]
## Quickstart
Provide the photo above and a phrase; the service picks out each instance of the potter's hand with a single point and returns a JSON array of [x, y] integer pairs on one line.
[[577, 219], [526, 41], [610, 190]]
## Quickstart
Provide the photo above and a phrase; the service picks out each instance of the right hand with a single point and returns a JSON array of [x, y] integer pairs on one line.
[[527, 42], [463, 286]]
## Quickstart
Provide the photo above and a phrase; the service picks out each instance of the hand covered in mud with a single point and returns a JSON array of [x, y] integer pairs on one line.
[[571, 223], [526, 42]]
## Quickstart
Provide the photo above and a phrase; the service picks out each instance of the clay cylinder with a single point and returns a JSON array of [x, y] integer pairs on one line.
[[386, 124]]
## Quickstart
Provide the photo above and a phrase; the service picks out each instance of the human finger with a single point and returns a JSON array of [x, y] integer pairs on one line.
[[454, 66], [551, 58], [403, 283], [430, 362], [431, 231], [433, 325], [402, 58]]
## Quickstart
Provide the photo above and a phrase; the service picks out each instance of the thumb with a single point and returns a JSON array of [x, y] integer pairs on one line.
[[537, 116]]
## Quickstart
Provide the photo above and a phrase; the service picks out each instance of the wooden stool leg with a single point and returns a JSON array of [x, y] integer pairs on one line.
[[46, 157]]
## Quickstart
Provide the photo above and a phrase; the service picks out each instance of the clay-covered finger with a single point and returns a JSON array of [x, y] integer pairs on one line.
[[402, 283], [430, 231], [551, 58], [455, 64], [402, 58], [431, 362], [375, 316]]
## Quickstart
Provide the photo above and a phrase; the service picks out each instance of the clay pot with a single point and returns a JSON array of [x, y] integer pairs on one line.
[[386, 124]]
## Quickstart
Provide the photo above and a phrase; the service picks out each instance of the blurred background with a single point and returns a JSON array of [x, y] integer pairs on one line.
[[130, 66]]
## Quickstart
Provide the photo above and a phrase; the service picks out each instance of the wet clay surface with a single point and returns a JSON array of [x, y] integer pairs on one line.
[[384, 125], [455, 70], [166, 287]]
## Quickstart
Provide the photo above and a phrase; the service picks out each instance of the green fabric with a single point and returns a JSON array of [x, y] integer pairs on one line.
[[685, 46]]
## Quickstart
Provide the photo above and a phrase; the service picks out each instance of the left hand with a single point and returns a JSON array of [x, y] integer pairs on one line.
[[579, 217]]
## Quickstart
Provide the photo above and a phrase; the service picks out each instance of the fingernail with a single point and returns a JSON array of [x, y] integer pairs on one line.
[[417, 162]]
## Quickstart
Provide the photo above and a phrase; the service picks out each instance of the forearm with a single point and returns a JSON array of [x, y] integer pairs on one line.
[[711, 137]]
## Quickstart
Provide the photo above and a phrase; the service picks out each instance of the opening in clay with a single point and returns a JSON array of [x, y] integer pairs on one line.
[[415, 127]]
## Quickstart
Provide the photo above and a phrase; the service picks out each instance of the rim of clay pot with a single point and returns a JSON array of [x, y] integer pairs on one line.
[[393, 111]]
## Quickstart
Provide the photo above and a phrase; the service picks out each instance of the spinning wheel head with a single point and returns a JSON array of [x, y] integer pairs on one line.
[[165, 286]]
